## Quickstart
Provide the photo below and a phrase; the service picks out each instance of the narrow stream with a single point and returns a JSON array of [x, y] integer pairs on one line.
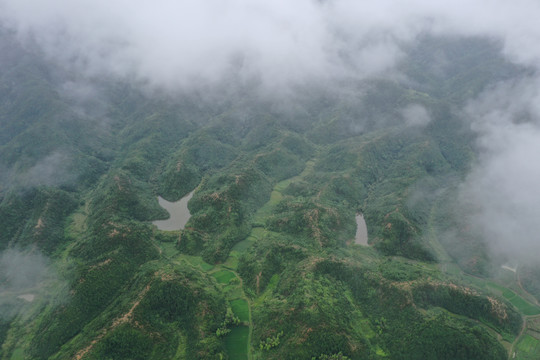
[[178, 211], [361, 237]]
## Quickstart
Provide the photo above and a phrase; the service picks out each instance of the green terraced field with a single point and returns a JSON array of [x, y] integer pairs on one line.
[[521, 304], [231, 263], [197, 261], [224, 276], [266, 209], [528, 348], [241, 309], [236, 343], [233, 291], [243, 245], [269, 288], [18, 354]]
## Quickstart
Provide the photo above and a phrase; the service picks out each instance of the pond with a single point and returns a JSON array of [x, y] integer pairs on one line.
[[361, 230], [178, 211]]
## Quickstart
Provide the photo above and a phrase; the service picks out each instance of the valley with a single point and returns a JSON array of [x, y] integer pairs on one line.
[[178, 213], [261, 250]]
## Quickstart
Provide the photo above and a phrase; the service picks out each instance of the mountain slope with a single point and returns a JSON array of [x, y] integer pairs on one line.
[[267, 266]]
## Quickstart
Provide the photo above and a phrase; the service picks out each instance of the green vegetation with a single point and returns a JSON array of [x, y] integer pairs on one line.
[[266, 267], [464, 301], [230, 320], [224, 276], [240, 308], [523, 306], [236, 343], [270, 342], [527, 348], [124, 343]]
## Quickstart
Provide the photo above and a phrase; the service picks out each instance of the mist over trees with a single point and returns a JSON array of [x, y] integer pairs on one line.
[[287, 120]]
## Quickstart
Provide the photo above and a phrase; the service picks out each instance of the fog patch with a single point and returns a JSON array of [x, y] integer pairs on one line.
[[415, 115], [86, 99], [25, 277], [53, 169], [5, 178], [198, 44], [502, 189]]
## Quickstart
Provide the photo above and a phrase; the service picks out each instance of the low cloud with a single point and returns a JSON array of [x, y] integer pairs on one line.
[[186, 44], [502, 189], [25, 277], [281, 46], [415, 115], [53, 169]]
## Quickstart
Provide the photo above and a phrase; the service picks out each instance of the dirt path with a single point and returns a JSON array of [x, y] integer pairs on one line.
[[262, 213], [531, 296], [250, 323], [116, 322], [523, 328]]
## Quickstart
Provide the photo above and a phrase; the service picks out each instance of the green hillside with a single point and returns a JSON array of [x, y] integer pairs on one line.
[[267, 266]]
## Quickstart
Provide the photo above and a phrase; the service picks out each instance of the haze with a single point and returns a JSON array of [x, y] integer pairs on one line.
[[281, 45]]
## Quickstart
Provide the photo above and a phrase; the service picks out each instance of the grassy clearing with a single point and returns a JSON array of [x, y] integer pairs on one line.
[[269, 288], [18, 354], [531, 332], [499, 288], [258, 233], [433, 241], [506, 277], [181, 349], [243, 245], [205, 266], [521, 304], [231, 263], [240, 308], [275, 197], [266, 210], [365, 327], [528, 348], [224, 276], [196, 261], [169, 249], [380, 352], [534, 324], [282, 185], [524, 306], [507, 345], [508, 294], [77, 224], [452, 269], [236, 343], [233, 291]]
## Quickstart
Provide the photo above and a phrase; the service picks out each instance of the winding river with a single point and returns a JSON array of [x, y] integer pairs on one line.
[[178, 211]]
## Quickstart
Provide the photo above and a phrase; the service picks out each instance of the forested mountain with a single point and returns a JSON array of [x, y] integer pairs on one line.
[[267, 267]]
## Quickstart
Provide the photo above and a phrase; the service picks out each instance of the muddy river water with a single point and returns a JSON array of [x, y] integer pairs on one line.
[[361, 230], [178, 211]]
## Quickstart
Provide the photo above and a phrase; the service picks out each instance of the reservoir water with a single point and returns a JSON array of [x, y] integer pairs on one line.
[[178, 211], [361, 230]]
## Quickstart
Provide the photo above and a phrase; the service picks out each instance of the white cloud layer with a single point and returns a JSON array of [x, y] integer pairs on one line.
[[181, 43], [503, 185], [415, 115], [26, 276], [184, 43]]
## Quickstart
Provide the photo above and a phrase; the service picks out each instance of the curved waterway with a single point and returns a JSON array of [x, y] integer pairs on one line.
[[361, 230], [178, 211]]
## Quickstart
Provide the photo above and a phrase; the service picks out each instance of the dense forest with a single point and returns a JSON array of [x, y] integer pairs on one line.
[[267, 266]]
